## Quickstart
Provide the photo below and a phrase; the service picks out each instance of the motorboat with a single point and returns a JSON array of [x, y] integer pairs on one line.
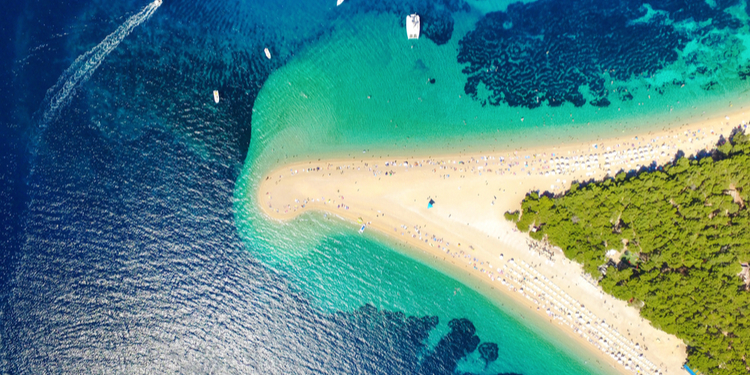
[[412, 26], [216, 96], [267, 52]]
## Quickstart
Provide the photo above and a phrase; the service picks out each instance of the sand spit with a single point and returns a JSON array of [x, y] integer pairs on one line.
[[465, 227]]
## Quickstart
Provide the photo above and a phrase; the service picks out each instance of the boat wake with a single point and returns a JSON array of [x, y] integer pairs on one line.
[[58, 96]]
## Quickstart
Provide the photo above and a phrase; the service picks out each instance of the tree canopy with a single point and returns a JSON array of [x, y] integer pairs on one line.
[[684, 231]]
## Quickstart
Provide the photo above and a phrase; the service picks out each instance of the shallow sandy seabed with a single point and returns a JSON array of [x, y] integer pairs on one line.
[[466, 231]]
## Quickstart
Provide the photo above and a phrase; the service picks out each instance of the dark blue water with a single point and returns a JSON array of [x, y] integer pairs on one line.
[[119, 247], [120, 253], [544, 52]]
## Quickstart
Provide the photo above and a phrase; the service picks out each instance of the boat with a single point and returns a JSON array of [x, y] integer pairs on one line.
[[362, 229], [216, 96], [268, 53], [412, 26], [339, 2]]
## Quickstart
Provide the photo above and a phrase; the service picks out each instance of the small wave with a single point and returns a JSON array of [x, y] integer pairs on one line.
[[58, 96]]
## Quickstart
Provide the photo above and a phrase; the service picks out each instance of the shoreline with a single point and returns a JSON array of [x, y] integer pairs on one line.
[[560, 137], [390, 196], [511, 303]]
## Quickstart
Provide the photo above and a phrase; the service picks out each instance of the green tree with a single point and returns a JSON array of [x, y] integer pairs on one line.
[[686, 229]]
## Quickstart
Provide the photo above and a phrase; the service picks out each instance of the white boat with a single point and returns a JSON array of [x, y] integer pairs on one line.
[[362, 229], [216, 96], [268, 53], [339, 2], [412, 26]]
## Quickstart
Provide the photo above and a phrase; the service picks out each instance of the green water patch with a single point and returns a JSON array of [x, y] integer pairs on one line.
[[344, 270], [365, 90], [336, 269]]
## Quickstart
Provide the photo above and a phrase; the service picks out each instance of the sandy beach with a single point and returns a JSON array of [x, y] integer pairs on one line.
[[466, 231]]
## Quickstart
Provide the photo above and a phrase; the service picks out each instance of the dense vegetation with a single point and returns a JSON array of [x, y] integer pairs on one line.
[[681, 232]]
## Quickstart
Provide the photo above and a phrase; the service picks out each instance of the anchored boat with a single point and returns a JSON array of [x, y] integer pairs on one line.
[[412, 26], [216, 96]]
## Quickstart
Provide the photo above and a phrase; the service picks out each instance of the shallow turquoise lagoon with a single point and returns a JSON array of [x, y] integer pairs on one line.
[[365, 89]]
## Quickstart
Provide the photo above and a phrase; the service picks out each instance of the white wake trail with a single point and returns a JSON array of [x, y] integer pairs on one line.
[[84, 66]]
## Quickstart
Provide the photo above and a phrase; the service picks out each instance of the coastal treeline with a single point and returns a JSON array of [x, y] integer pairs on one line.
[[672, 242]]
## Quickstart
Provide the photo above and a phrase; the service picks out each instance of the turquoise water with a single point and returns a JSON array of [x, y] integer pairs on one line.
[[339, 271], [133, 243], [365, 88]]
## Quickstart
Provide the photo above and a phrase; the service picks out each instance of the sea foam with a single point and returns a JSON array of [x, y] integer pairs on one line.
[[58, 96]]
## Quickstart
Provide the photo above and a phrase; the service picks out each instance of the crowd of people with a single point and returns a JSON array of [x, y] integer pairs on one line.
[[520, 277], [597, 160]]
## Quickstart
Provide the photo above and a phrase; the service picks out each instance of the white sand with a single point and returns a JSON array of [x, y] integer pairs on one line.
[[466, 227]]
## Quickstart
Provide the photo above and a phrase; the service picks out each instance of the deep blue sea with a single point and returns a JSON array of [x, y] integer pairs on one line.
[[123, 246]]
